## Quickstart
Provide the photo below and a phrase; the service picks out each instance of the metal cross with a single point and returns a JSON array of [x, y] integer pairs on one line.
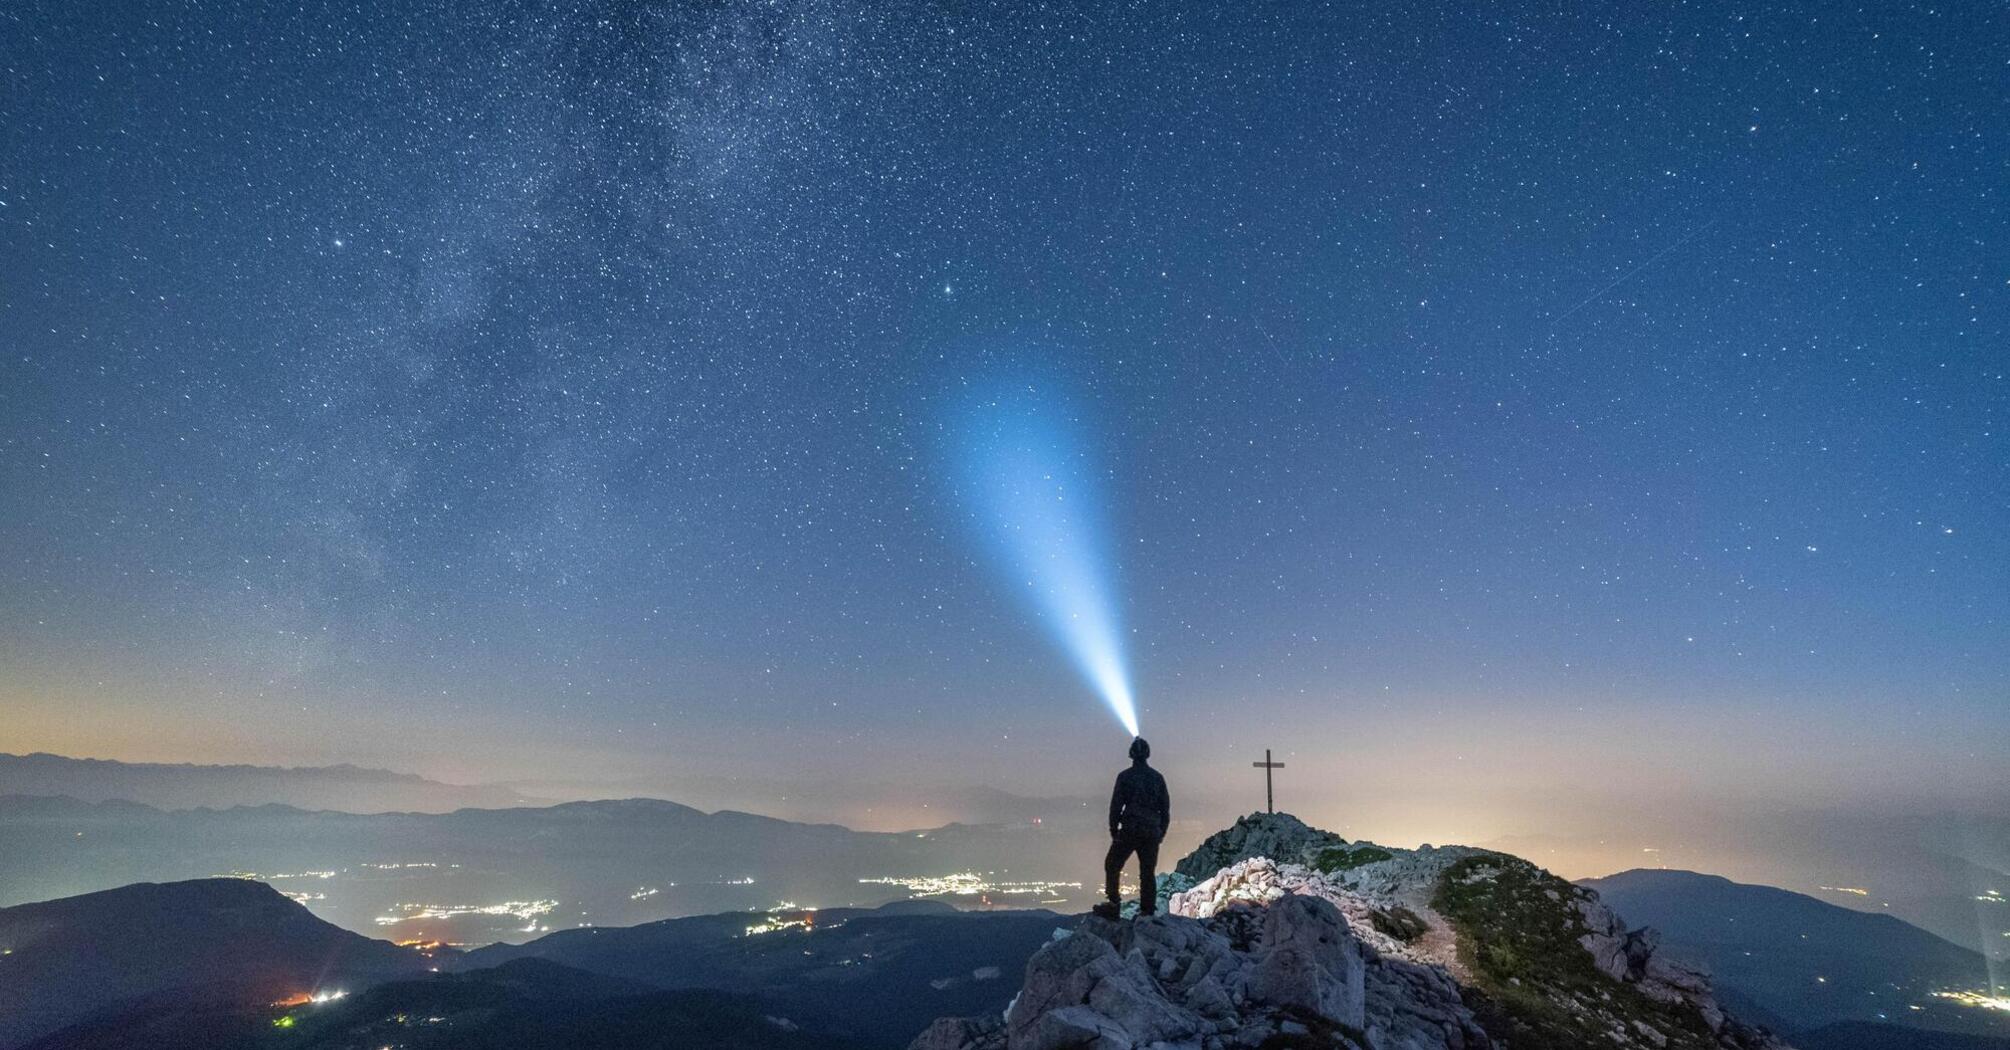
[[1269, 797]]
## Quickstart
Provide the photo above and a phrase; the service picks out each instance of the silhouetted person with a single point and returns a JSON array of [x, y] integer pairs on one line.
[[1140, 809]]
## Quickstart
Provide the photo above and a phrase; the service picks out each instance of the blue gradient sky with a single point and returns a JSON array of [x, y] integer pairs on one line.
[[1577, 404]]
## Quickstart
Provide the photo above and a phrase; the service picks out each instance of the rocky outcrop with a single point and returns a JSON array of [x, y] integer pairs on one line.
[[1634, 956], [1447, 948], [1259, 881], [1239, 978], [1278, 836], [1411, 999], [1558, 967]]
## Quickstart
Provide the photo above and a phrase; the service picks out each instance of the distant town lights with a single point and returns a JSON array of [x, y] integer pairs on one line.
[[1979, 1000], [966, 884], [807, 921], [525, 910]]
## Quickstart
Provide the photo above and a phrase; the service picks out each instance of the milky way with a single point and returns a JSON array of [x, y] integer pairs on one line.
[[504, 390]]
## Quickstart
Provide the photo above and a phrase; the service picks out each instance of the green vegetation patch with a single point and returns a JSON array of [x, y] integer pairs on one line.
[[1341, 858], [1518, 932]]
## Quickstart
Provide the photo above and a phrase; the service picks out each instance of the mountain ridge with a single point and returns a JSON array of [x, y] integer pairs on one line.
[[71, 957], [185, 785], [605, 862], [1802, 959], [1345, 944]]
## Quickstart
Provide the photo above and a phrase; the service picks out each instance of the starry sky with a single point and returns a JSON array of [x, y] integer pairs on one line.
[[1529, 408]]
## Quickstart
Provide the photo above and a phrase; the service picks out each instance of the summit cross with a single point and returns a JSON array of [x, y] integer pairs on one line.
[[1269, 796]]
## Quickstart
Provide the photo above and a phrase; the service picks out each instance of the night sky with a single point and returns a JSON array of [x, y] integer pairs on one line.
[[1599, 403]]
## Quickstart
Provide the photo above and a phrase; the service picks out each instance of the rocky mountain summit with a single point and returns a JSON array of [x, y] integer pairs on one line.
[[1354, 945], [1278, 836]]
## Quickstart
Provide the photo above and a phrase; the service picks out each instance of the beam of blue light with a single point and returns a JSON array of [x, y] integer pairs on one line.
[[1027, 478]]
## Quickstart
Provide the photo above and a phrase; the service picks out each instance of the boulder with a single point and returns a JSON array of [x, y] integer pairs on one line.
[[1635, 956], [1080, 991], [1290, 968], [1308, 961]]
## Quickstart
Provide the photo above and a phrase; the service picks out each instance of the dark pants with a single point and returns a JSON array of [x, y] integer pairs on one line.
[[1148, 860]]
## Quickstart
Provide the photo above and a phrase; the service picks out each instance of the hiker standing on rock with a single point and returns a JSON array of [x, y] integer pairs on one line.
[[1140, 810]]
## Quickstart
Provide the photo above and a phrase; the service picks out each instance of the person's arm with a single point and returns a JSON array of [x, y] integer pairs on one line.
[[1116, 804], [1165, 802]]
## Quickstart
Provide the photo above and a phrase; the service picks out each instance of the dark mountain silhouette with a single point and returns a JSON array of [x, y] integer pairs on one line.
[[348, 788], [208, 964], [875, 976], [1924, 865], [1803, 961], [220, 940], [527, 1004]]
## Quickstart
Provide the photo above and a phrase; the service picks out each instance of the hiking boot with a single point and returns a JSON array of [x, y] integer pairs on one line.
[[1105, 910]]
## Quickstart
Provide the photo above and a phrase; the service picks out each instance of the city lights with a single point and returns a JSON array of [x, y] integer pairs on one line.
[[967, 884]]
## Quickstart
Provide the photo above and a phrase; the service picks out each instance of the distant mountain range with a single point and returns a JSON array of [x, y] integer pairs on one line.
[[202, 961], [357, 789], [1801, 965], [351, 789], [1925, 866], [230, 963], [480, 875]]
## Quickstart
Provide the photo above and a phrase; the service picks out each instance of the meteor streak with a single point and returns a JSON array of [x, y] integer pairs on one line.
[[1030, 486]]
